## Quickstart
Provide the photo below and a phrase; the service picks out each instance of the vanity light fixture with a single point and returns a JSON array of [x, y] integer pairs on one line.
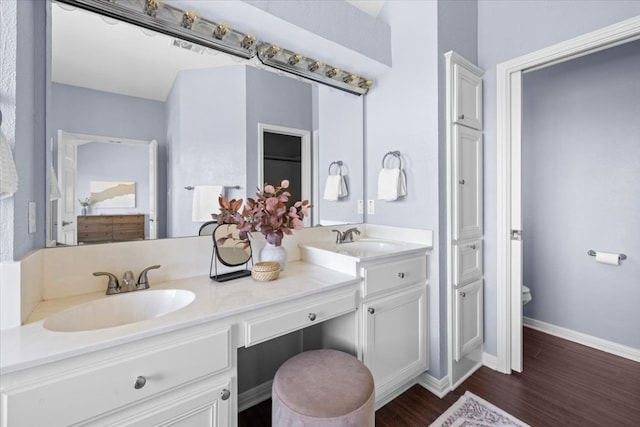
[[164, 18], [312, 69], [187, 25]]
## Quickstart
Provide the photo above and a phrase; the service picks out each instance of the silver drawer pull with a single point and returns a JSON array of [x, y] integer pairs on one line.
[[473, 247], [401, 275], [225, 394], [462, 294], [461, 182], [140, 382], [461, 117], [312, 316], [371, 310]]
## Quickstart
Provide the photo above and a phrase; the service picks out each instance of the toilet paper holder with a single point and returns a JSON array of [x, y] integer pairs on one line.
[[621, 257]]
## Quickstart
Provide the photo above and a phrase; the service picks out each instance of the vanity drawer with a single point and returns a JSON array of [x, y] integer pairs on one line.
[[385, 276], [289, 319], [97, 388]]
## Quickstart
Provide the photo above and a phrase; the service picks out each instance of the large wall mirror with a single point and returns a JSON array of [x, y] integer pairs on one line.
[[169, 120]]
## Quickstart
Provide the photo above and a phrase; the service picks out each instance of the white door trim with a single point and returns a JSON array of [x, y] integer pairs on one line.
[[509, 92]]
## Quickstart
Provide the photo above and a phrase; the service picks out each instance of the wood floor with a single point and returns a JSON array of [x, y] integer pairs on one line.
[[563, 384]]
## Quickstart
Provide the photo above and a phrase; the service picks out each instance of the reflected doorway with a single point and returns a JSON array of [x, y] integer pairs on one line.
[[285, 153]]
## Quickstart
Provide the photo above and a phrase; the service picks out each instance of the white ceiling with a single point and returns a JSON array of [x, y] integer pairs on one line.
[[87, 52]]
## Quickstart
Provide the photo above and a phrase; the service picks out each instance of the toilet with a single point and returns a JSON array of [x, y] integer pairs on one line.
[[526, 295]]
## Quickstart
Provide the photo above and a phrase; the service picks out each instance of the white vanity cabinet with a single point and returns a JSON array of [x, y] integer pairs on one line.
[[394, 322], [178, 378]]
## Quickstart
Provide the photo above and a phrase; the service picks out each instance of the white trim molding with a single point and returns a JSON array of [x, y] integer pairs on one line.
[[490, 361], [509, 92], [255, 395], [611, 347], [439, 387]]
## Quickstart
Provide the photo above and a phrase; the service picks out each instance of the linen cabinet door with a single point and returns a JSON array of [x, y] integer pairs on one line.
[[468, 319], [467, 103], [394, 347], [467, 183]]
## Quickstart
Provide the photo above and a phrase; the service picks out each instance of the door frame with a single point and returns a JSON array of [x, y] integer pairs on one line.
[[509, 121], [71, 140]]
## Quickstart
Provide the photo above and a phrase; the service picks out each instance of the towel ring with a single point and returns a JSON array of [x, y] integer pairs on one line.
[[339, 164], [395, 154]]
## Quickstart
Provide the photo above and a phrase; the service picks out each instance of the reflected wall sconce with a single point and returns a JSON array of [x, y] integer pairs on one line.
[[187, 25]]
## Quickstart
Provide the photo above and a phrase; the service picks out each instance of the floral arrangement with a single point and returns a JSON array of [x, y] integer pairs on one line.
[[267, 214], [86, 202]]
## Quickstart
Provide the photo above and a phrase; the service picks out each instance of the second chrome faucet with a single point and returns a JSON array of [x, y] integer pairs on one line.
[[128, 282], [347, 235]]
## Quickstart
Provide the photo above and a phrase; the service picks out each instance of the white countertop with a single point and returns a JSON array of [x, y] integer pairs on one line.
[[32, 345]]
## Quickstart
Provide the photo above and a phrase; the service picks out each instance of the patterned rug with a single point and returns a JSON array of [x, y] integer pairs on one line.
[[472, 411]]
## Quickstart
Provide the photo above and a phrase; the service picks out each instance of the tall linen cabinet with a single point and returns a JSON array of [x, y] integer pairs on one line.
[[464, 217]]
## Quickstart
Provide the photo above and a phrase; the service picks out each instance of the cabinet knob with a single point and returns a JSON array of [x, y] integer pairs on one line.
[[140, 382], [462, 294], [461, 117], [401, 275], [312, 316], [461, 181], [371, 310], [225, 394], [472, 246]]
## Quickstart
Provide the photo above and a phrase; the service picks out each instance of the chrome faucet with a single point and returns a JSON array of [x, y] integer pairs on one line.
[[128, 281], [348, 234], [342, 236]]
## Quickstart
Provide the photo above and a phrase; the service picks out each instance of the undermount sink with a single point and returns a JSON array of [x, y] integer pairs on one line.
[[116, 310], [361, 248]]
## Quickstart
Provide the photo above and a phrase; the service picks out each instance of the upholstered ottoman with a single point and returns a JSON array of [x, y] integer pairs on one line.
[[322, 388]]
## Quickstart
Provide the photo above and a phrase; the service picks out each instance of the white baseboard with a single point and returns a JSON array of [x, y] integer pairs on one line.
[[490, 361], [253, 396], [439, 387], [584, 339]]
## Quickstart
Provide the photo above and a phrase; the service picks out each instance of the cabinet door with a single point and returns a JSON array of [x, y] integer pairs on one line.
[[395, 333], [467, 104], [209, 408], [467, 262], [468, 325], [467, 183]]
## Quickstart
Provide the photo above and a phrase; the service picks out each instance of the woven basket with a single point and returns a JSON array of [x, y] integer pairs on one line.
[[265, 271]]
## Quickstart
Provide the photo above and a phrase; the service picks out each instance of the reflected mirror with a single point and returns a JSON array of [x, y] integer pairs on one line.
[[196, 117], [231, 251]]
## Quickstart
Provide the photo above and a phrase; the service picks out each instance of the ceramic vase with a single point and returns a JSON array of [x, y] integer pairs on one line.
[[274, 253], [85, 211]]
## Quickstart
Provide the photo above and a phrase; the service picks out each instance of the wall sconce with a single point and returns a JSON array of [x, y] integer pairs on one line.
[[312, 69], [187, 25]]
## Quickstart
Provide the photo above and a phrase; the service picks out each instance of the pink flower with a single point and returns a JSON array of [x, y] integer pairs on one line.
[[268, 213]]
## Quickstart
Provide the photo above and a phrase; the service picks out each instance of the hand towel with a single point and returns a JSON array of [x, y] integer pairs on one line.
[[392, 183], [205, 202], [8, 173], [335, 187]]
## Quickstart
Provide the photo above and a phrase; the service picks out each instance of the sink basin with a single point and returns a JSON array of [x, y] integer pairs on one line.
[[116, 310], [361, 248]]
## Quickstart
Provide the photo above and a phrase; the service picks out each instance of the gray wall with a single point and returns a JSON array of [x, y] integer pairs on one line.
[[581, 181], [401, 113], [507, 30], [99, 161], [93, 112], [272, 100], [206, 112], [23, 108]]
